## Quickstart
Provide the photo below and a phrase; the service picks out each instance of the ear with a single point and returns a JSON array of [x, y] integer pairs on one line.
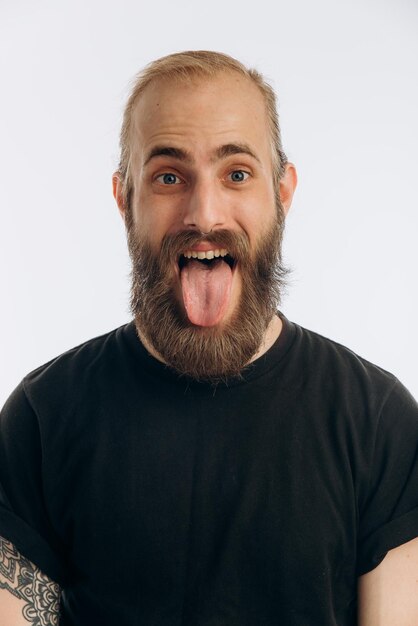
[[117, 185], [287, 186]]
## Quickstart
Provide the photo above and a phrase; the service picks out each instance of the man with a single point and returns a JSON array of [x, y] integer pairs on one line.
[[209, 463]]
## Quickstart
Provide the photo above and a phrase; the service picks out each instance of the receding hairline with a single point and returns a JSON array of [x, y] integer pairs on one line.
[[191, 80], [185, 66], [188, 81]]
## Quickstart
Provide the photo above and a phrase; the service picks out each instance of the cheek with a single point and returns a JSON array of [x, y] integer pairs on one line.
[[149, 220], [156, 215], [256, 216]]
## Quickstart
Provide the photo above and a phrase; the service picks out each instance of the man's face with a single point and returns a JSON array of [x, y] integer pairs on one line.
[[202, 163]]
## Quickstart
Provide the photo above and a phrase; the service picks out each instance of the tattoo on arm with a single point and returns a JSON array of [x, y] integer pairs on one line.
[[26, 582]]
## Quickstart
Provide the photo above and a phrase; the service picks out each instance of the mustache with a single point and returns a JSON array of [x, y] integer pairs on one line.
[[174, 245]]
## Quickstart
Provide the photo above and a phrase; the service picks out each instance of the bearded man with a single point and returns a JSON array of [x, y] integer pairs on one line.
[[210, 463]]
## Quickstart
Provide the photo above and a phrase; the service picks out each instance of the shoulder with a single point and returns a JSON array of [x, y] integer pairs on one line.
[[329, 356], [339, 373], [64, 378], [330, 352]]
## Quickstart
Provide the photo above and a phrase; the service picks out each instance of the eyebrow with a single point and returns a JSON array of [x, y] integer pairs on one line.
[[176, 153], [230, 149], [222, 152]]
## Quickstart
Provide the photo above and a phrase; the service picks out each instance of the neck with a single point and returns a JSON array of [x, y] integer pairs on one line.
[[272, 333]]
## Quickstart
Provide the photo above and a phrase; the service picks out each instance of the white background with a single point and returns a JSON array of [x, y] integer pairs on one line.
[[346, 77]]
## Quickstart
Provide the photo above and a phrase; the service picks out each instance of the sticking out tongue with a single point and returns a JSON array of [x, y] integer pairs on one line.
[[206, 290]]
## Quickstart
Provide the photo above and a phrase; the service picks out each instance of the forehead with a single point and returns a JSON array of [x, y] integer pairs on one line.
[[200, 115]]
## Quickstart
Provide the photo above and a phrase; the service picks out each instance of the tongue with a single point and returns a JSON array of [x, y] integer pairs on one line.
[[206, 291]]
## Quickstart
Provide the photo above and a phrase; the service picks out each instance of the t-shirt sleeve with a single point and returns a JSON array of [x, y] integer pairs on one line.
[[23, 513], [389, 515]]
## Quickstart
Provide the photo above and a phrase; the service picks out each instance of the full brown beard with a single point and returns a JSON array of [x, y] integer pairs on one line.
[[206, 353]]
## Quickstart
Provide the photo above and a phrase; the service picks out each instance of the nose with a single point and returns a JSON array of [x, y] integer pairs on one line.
[[204, 209]]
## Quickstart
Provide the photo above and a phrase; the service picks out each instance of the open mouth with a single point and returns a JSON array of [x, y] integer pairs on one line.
[[210, 258], [206, 283]]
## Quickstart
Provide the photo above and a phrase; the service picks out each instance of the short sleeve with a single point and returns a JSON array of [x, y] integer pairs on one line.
[[23, 512], [389, 516]]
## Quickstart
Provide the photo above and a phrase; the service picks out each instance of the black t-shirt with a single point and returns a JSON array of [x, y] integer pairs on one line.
[[156, 500]]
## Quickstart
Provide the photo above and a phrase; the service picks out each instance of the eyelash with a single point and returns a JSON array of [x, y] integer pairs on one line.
[[247, 175], [167, 174]]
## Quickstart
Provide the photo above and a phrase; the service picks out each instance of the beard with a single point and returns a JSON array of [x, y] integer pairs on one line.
[[206, 353]]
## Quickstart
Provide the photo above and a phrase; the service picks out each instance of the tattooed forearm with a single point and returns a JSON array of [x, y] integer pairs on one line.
[[26, 582]]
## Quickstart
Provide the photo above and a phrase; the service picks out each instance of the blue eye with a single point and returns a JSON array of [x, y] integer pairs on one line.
[[168, 179], [238, 176]]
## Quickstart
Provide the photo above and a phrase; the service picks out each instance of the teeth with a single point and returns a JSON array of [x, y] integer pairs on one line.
[[210, 254]]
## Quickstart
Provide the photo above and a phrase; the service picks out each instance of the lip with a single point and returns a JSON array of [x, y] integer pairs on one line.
[[204, 246]]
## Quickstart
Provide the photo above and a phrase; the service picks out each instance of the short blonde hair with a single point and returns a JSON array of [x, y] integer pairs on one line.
[[183, 67]]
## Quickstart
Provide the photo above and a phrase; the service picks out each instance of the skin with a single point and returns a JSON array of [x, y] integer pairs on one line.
[[27, 596], [388, 595], [198, 119]]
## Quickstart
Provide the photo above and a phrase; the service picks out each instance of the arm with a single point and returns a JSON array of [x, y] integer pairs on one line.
[[27, 596], [388, 595]]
